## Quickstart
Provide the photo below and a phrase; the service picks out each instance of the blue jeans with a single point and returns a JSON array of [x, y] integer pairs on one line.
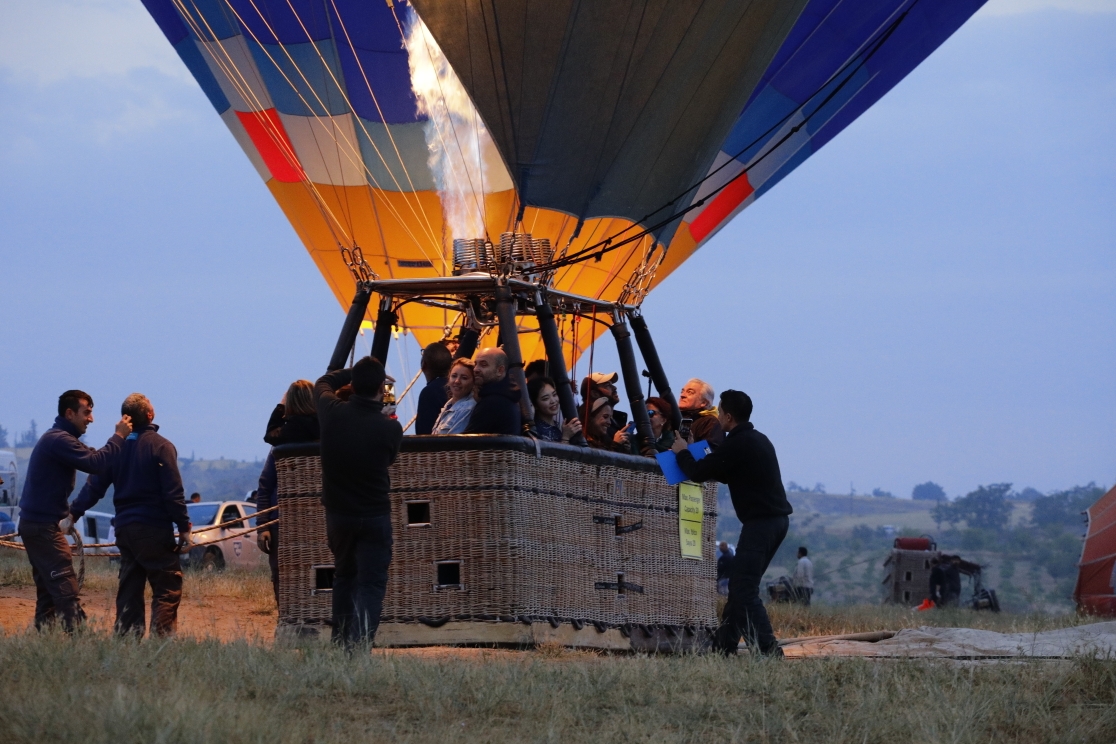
[[361, 549], [744, 613]]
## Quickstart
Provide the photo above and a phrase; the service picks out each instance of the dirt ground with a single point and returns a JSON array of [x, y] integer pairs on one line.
[[226, 618]]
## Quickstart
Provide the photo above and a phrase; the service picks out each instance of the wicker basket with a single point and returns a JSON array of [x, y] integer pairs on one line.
[[502, 540]]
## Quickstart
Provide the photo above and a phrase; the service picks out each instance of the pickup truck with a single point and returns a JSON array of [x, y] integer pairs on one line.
[[239, 551]]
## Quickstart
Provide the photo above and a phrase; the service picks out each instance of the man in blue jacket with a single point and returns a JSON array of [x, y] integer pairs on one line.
[[149, 503], [746, 461], [45, 510]]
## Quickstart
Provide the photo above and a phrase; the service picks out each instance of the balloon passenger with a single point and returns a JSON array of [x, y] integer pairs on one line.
[[497, 409], [596, 428], [294, 421], [658, 412], [359, 444], [436, 362], [603, 384], [454, 416], [699, 414], [544, 397], [45, 515], [149, 503], [746, 461]]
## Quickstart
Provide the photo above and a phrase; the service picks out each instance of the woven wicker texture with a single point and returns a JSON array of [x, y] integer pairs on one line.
[[536, 538]]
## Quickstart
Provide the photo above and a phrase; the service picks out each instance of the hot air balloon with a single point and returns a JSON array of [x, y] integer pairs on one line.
[[525, 173], [621, 136]]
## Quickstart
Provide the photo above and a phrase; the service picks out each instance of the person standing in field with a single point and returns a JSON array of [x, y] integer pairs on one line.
[[803, 579], [746, 461], [150, 503], [358, 445], [45, 515]]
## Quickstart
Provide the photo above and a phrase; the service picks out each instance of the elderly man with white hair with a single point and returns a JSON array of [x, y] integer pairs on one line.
[[696, 405]]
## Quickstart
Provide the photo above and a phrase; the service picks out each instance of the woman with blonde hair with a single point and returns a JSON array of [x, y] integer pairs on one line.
[[455, 414]]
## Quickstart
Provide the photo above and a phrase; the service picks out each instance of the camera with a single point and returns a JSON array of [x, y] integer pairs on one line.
[[684, 430]]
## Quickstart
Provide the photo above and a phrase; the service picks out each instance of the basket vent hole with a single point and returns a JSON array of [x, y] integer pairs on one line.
[[323, 578], [418, 513], [448, 574], [619, 583], [906, 596], [908, 576]]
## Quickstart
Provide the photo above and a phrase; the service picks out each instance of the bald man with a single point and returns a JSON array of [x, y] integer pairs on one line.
[[497, 409]]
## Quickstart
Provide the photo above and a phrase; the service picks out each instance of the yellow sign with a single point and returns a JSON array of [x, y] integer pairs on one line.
[[690, 504]]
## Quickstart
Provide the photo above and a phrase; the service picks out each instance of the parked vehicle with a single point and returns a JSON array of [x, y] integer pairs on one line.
[[239, 551], [96, 527]]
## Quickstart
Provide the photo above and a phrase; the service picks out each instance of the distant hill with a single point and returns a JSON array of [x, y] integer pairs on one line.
[[220, 480], [849, 537]]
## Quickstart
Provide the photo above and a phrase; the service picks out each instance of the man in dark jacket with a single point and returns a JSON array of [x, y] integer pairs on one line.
[[359, 443], [746, 461], [497, 410], [951, 570], [436, 362], [45, 510], [149, 503], [698, 412]]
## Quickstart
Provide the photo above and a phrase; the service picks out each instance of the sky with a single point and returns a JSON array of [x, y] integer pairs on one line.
[[932, 296]]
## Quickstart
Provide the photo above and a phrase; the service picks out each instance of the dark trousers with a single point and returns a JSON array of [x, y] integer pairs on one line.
[[148, 554], [273, 560], [361, 549], [744, 613], [804, 594], [52, 568]]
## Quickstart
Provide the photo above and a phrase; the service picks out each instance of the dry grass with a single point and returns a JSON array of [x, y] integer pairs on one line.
[[95, 688]]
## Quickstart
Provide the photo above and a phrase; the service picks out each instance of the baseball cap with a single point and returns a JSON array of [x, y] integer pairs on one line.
[[602, 378]]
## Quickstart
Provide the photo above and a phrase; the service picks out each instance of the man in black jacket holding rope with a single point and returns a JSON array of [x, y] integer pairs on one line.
[[746, 461], [358, 445]]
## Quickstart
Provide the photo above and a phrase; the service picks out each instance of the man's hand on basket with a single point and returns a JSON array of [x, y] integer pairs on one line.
[[263, 541], [185, 539]]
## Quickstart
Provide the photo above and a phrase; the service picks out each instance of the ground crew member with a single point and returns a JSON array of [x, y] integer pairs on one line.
[[44, 507], [937, 582], [746, 461], [358, 445], [149, 503], [803, 579]]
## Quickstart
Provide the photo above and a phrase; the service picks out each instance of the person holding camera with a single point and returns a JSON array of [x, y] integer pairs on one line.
[[746, 461]]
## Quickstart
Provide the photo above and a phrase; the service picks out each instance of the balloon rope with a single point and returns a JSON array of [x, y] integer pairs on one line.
[[597, 250], [353, 149]]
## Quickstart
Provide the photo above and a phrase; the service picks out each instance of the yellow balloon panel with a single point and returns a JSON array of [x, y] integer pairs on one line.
[[403, 235]]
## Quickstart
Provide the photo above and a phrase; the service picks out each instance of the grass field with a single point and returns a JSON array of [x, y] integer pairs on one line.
[[94, 688]]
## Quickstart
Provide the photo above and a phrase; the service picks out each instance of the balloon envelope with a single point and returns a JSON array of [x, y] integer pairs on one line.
[[395, 131]]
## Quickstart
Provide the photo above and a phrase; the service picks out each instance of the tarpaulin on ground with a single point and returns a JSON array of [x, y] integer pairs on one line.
[[1096, 640]]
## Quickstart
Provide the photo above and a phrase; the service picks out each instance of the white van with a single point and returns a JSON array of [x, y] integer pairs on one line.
[[9, 488]]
